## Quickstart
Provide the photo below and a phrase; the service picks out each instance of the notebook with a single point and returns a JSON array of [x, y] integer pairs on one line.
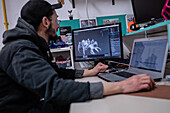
[[148, 56]]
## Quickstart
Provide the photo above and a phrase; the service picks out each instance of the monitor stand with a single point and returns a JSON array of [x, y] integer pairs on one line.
[[102, 61]]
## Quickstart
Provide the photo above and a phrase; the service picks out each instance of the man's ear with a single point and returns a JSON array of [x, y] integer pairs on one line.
[[46, 22]]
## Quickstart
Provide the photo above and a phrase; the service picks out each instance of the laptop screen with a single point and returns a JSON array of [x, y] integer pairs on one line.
[[149, 55]]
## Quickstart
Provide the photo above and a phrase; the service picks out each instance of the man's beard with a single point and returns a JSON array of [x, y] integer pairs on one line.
[[51, 33]]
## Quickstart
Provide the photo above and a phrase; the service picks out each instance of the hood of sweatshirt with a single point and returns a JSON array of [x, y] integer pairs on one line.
[[24, 30]]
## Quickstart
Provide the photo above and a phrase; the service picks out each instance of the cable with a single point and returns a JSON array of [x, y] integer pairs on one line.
[[87, 13], [118, 63]]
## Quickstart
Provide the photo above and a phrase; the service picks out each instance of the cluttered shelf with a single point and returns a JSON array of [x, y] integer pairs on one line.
[[157, 30], [61, 49], [159, 27], [63, 57]]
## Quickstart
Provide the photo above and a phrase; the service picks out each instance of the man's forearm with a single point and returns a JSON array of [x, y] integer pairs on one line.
[[132, 84], [87, 73], [90, 72], [110, 88]]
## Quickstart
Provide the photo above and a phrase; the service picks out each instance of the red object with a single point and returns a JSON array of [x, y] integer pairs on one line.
[[165, 13]]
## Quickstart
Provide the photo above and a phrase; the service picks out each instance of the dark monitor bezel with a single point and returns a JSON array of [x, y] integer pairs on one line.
[[100, 59], [143, 21]]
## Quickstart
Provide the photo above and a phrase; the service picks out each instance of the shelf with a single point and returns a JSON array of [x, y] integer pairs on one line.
[[157, 30], [160, 27], [61, 49]]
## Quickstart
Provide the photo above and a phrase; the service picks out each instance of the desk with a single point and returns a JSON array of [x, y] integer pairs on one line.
[[121, 103]]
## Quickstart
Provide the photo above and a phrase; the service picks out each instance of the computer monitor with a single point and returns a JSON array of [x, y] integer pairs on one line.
[[98, 43], [147, 10]]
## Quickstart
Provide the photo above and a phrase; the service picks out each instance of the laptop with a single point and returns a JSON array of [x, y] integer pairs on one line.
[[148, 56]]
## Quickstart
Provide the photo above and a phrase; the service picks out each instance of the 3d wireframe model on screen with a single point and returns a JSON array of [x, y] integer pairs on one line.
[[84, 45]]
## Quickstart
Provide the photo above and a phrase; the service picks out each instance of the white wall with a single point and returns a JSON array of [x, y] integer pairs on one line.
[[2, 27], [13, 8], [96, 8]]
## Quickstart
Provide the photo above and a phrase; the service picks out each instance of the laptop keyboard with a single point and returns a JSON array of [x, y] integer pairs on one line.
[[124, 74]]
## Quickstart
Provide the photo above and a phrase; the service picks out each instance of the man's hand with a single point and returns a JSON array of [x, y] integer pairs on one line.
[[138, 82], [100, 67], [132, 84]]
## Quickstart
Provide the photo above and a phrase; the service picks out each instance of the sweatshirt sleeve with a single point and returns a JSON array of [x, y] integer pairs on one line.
[[79, 73], [96, 89], [68, 73], [34, 73]]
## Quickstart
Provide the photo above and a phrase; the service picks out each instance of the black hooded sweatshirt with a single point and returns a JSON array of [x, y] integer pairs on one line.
[[27, 75]]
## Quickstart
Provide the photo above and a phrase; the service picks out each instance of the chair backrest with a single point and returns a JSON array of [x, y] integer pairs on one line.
[[166, 10]]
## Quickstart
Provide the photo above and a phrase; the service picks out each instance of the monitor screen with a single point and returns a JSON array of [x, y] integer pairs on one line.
[[149, 55], [147, 10], [98, 43]]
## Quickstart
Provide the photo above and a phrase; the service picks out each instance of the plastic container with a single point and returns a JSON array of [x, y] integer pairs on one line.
[[63, 64]]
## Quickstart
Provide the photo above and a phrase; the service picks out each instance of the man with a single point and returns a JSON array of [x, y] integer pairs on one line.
[[30, 83]]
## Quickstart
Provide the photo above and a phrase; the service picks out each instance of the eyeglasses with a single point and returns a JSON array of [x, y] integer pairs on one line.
[[58, 21]]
